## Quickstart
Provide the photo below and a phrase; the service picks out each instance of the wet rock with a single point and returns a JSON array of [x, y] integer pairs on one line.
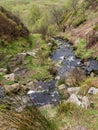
[[73, 90], [74, 99], [93, 90], [12, 88], [92, 66], [85, 102], [10, 77]]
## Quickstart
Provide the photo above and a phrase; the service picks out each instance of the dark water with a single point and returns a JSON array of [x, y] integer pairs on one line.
[[69, 61], [65, 55], [92, 67], [48, 95]]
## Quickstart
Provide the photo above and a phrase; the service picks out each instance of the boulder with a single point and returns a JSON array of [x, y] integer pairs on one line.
[[74, 99], [93, 90], [73, 90], [85, 102], [10, 77], [12, 88]]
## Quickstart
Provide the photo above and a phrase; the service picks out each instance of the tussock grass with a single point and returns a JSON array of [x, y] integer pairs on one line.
[[30, 118]]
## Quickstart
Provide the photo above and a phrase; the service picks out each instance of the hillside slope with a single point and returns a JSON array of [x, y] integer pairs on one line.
[[11, 27]]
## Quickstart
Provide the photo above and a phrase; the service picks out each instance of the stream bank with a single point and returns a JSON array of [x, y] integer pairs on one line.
[[65, 60]]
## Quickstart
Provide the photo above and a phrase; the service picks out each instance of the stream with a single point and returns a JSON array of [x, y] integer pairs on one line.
[[69, 61], [64, 55]]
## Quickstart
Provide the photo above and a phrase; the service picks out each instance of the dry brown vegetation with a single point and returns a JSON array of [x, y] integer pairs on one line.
[[11, 27]]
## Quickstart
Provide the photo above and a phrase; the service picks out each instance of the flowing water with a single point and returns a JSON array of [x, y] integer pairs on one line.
[[69, 61], [66, 56]]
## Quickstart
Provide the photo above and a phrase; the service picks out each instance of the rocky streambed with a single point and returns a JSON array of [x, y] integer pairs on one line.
[[65, 60]]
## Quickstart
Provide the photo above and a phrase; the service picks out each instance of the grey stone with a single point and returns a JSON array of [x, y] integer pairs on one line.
[[93, 90], [73, 90], [74, 99]]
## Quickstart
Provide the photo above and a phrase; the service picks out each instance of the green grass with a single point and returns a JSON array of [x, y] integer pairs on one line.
[[9, 82], [69, 115], [82, 51], [22, 8], [39, 64]]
